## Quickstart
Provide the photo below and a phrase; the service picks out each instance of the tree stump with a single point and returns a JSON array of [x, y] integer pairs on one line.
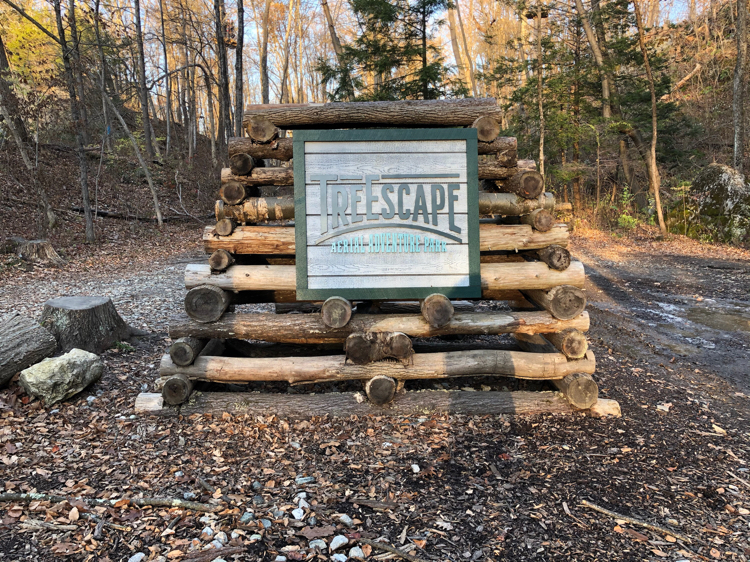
[[23, 342], [380, 389], [39, 250], [88, 323]]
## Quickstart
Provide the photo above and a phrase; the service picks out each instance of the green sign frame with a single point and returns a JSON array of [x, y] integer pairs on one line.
[[473, 290]]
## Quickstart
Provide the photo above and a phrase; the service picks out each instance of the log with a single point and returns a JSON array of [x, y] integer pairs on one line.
[[332, 368], [409, 113], [280, 240], [206, 303], [280, 149], [528, 184], [380, 390], [437, 310], [605, 408], [563, 302], [224, 227], [489, 170], [554, 256], [258, 209], [571, 342], [487, 128], [504, 148], [281, 208], [241, 164], [309, 328], [234, 192], [259, 128], [579, 389], [336, 312], [362, 348], [527, 164], [494, 276], [176, 389], [23, 343], [184, 350], [345, 404], [564, 207], [372, 307], [220, 260], [88, 323], [261, 176], [540, 220]]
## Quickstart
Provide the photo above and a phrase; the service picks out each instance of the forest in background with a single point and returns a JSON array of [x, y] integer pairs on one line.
[[621, 104]]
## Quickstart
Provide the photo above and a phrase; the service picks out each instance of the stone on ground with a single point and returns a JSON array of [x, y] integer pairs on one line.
[[723, 203], [54, 380]]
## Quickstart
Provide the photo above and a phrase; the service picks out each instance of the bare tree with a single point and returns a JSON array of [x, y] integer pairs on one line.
[[168, 83], [238, 76], [142, 87], [739, 87]]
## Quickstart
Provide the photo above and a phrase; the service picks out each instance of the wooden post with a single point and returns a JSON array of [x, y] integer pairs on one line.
[[184, 350], [437, 310], [563, 302], [309, 328], [177, 389], [206, 303], [220, 260], [380, 390], [540, 219], [336, 312], [224, 227]]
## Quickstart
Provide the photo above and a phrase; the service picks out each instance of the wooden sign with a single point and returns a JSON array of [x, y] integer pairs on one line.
[[386, 214]]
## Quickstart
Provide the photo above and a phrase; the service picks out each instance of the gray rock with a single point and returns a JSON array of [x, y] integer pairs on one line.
[[723, 196], [356, 553], [338, 557], [257, 486], [247, 517], [219, 559], [235, 535], [189, 496], [303, 504], [258, 500], [178, 474], [346, 520], [216, 543], [318, 543], [312, 521], [265, 523], [54, 380], [302, 480], [206, 519], [298, 513], [90, 399], [221, 536], [301, 495], [137, 557], [278, 514], [280, 558], [207, 533], [338, 541], [255, 537]]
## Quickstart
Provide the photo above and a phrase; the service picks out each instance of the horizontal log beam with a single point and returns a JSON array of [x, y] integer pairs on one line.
[[304, 370], [408, 113], [259, 209], [280, 240], [495, 276], [345, 404], [309, 328]]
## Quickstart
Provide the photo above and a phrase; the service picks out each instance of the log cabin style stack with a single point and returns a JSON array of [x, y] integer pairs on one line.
[[252, 248]]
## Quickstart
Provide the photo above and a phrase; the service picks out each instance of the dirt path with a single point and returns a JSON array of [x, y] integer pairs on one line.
[[486, 488]]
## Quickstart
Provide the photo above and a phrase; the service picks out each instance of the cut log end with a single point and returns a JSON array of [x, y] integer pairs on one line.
[[380, 390], [220, 260], [555, 256], [234, 192], [579, 389], [437, 310], [487, 128], [571, 342], [176, 389], [241, 164], [206, 303], [260, 129], [336, 312], [540, 219], [184, 351], [564, 302], [528, 184], [364, 348], [225, 227]]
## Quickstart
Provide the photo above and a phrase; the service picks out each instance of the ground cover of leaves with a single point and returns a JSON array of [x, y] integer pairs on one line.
[[440, 488]]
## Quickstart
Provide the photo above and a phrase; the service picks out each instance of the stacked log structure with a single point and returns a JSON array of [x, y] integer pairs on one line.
[[252, 249]]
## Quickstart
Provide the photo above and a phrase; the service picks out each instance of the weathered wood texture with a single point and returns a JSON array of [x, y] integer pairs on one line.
[[241, 164], [176, 389], [260, 128], [220, 260], [362, 348], [345, 404], [487, 128], [183, 351], [88, 323], [570, 342], [580, 389], [528, 184], [553, 255], [224, 226], [437, 310], [309, 328], [540, 220], [303, 370], [336, 312], [380, 390], [280, 208], [23, 342], [261, 176], [505, 148], [280, 240], [495, 276], [234, 192], [563, 302], [206, 302], [280, 149], [411, 113]]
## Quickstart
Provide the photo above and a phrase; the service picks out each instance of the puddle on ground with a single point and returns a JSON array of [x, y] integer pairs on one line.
[[720, 320]]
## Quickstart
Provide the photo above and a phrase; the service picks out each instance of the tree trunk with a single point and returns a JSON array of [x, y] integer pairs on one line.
[[264, 85], [598, 58], [142, 87], [454, 44], [238, 71], [9, 99], [437, 310], [88, 323], [75, 117], [167, 84], [336, 312], [284, 98], [405, 113], [540, 86], [472, 78], [23, 342], [310, 328], [225, 118], [739, 86]]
